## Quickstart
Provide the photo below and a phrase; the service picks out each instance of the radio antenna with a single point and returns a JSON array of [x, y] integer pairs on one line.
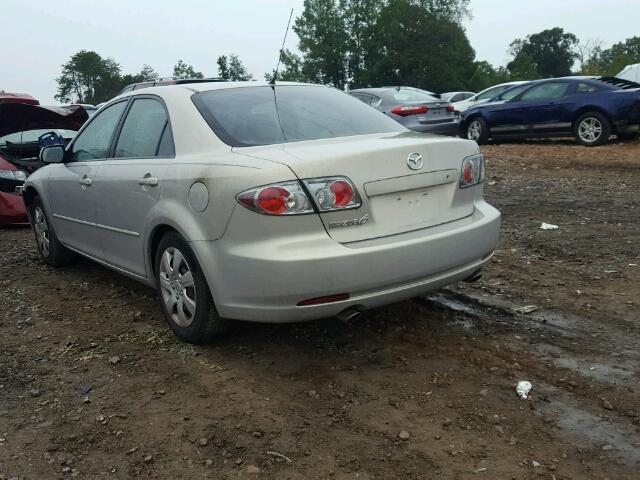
[[284, 40]]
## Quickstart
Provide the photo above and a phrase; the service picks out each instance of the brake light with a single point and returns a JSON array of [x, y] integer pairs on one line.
[[285, 198], [451, 108], [406, 110], [472, 172], [333, 193], [289, 198]]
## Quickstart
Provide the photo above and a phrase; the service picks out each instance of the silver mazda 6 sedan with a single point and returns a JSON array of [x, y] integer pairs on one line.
[[269, 203]]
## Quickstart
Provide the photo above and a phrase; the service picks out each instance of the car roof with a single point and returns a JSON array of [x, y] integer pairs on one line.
[[208, 86]]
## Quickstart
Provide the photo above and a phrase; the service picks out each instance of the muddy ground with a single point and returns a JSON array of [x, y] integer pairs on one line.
[[92, 384]]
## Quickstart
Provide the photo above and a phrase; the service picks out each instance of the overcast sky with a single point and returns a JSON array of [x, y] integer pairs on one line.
[[38, 36]]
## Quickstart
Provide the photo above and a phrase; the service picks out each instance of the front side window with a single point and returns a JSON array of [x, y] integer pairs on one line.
[[512, 93], [249, 116], [142, 132], [545, 91], [94, 141]]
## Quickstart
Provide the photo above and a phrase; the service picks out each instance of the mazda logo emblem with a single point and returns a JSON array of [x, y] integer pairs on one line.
[[415, 161]]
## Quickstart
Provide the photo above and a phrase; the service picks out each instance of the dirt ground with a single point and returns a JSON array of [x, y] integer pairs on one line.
[[92, 384]]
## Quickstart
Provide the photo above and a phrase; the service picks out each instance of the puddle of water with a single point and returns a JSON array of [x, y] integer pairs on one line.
[[597, 431]]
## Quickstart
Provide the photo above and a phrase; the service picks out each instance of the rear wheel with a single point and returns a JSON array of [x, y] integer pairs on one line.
[[592, 129], [184, 294], [477, 130], [52, 252]]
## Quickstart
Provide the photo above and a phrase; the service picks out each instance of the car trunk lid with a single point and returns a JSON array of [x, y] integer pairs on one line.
[[395, 197]]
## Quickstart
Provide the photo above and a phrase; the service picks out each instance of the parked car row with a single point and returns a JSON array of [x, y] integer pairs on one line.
[[591, 109]]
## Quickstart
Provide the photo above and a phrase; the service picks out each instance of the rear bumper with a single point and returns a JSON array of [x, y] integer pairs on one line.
[[12, 210], [450, 128], [264, 280]]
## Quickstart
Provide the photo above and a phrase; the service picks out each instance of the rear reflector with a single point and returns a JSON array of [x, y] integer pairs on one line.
[[407, 110], [338, 297]]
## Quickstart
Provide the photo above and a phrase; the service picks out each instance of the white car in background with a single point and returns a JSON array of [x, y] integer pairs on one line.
[[454, 97], [484, 96], [631, 73]]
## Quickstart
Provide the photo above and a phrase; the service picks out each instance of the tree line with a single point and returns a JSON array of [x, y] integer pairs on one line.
[[89, 78], [364, 43]]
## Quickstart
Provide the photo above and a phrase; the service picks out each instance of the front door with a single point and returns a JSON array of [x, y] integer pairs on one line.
[[130, 183], [71, 185], [547, 104]]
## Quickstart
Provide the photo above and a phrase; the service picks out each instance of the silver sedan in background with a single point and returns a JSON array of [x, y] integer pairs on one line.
[[416, 109], [270, 203]]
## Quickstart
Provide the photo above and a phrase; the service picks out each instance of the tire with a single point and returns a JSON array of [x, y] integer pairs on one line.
[[477, 130], [51, 251], [592, 129], [184, 295]]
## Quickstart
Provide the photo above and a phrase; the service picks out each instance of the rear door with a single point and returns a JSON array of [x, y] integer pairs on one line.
[[71, 185], [130, 182]]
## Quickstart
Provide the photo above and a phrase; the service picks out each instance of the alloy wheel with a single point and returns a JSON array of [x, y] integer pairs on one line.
[[42, 231], [474, 131], [177, 287], [590, 130]]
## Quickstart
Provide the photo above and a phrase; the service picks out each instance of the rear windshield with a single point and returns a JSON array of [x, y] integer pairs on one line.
[[249, 116]]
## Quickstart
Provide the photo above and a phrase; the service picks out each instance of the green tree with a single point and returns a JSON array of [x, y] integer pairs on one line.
[[231, 68], [290, 69], [323, 41], [184, 70], [88, 78], [416, 47], [486, 75], [452, 10], [552, 53]]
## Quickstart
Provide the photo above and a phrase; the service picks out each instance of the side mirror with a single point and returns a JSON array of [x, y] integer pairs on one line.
[[52, 154]]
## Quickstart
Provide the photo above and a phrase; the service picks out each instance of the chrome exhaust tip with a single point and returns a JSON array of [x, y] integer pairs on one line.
[[475, 276], [348, 315]]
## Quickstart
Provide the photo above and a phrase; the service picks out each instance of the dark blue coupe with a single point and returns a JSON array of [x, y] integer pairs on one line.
[[589, 109]]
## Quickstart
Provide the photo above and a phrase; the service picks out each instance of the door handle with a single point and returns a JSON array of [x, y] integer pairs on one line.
[[85, 182], [148, 181]]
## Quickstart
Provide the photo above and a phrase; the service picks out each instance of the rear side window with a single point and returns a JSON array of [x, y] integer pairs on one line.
[[145, 131], [93, 142], [250, 116], [586, 88], [410, 95]]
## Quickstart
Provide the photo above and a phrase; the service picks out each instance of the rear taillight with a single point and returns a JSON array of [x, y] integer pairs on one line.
[[406, 110], [450, 108], [286, 198], [333, 193], [472, 171], [289, 198]]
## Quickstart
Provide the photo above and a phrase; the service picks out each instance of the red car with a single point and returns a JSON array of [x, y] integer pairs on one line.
[[12, 211], [25, 127]]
